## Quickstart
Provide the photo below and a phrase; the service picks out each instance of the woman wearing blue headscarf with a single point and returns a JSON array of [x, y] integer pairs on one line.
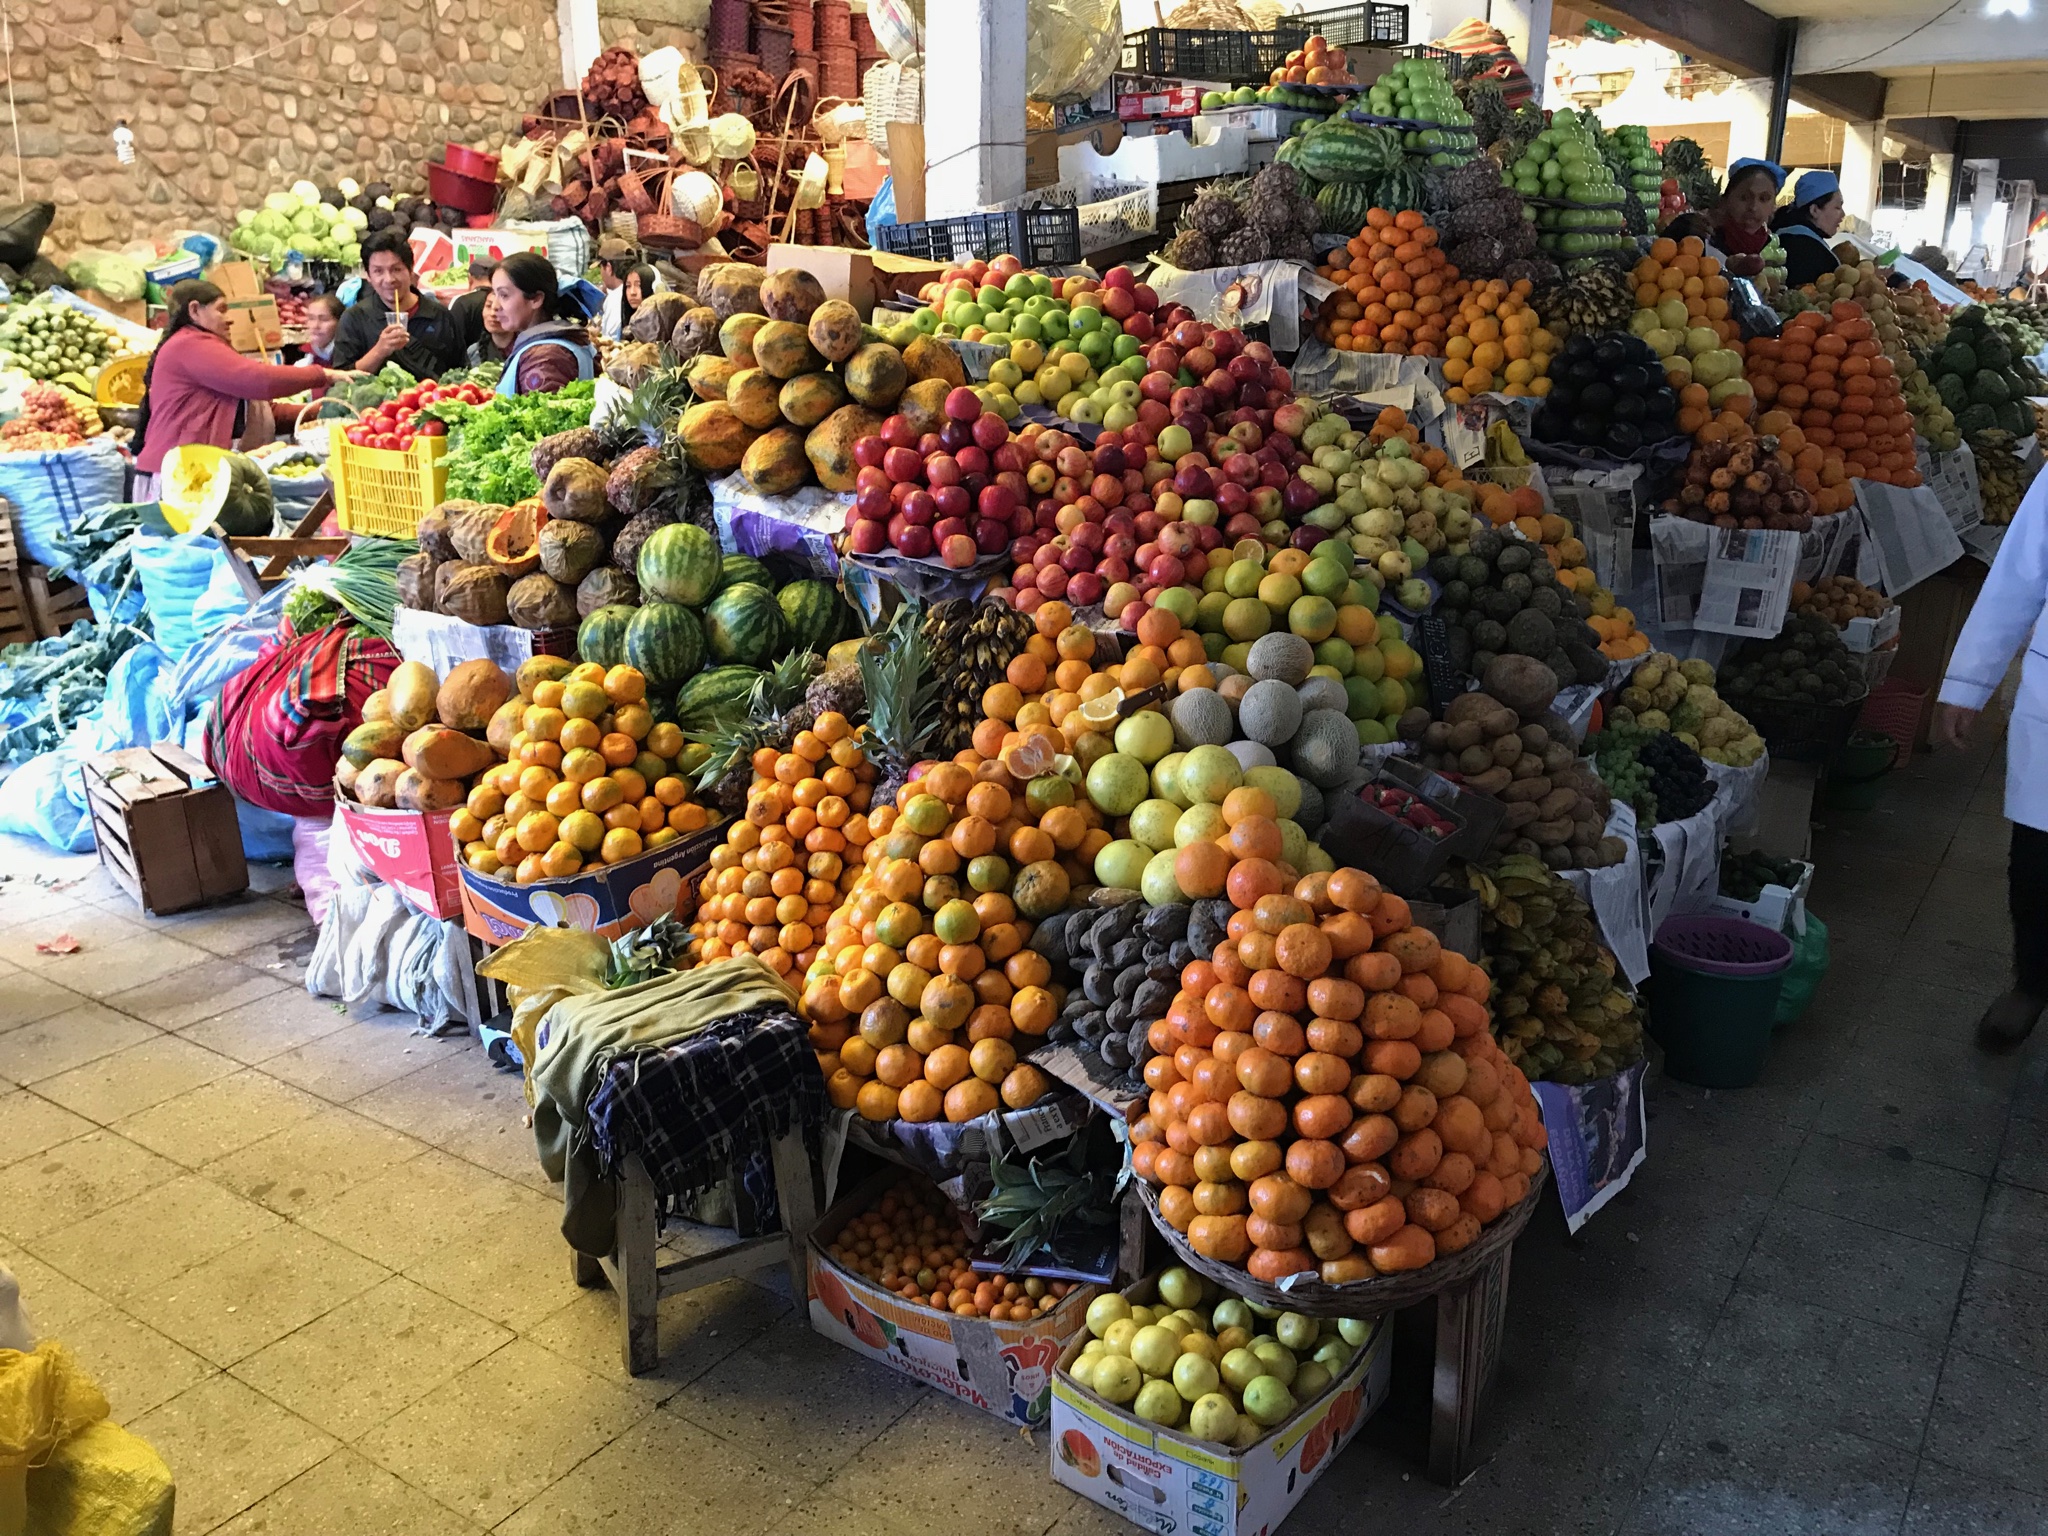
[[1807, 225]]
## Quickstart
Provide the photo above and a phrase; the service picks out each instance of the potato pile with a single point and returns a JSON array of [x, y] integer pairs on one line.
[[1557, 806], [1838, 599]]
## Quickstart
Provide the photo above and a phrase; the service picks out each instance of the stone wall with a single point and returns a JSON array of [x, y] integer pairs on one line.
[[229, 100]]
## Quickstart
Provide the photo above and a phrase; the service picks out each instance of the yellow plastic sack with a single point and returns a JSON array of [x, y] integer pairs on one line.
[[538, 971], [103, 1481], [45, 1399]]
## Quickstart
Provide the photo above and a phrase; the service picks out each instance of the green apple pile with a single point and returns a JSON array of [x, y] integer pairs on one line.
[[1382, 501], [1224, 1369], [1693, 353], [1645, 167], [1563, 164]]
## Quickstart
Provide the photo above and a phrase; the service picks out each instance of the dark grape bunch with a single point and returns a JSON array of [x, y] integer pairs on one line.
[[1663, 778]]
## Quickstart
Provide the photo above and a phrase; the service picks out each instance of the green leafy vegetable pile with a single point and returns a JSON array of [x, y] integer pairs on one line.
[[48, 686], [387, 383], [362, 581], [491, 446]]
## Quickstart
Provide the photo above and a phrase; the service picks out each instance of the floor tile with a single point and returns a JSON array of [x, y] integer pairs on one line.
[[1962, 921], [66, 1040], [1729, 1480], [228, 1447], [116, 952], [1889, 1189], [1991, 1421], [285, 958], [822, 1516], [222, 1117], [137, 1367], [370, 1357], [230, 926], [501, 1432], [257, 1031], [1982, 843], [465, 1106], [410, 1212], [358, 1057], [2016, 1228], [1870, 1274], [23, 900], [347, 1496], [1947, 1502], [30, 1123], [948, 1444], [847, 1402], [2024, 1160], [73, 1181], [513, 1270], [56, 1303], [666, 1476], [135, 1079], [154, 1237], [698, 1329], [255, 1293], [319, 1158], [28, 997], [198, 992], [1943, 1120], [2004, 1316]]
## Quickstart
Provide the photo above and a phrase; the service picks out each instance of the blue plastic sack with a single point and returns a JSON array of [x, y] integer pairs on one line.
[[266, 835], [882, 209], [45, 798], [222, 602], [52, 490], [223, 652], [137, 710], [175, 574]]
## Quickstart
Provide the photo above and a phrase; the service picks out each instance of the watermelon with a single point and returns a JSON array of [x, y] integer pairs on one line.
[[679, 563], [666, 643], [602, 636], [1345, 151], [1344, 205], [744, 624], [734, 569], [716, 688], [811, 611]]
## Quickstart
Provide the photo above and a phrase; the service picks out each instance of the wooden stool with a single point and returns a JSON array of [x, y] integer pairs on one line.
[[641, 1281]]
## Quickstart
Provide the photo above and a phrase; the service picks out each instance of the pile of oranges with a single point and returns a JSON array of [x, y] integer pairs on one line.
[[1397, 289], [911, 1242], [1833, 400], [787, 863], [1326, 1093], [588, 780], [1704, 422], [1497, 343], [1682, 269], [923, 979]]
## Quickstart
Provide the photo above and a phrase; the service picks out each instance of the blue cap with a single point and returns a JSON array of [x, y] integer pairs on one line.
[[1750, 162], [1813, 187]]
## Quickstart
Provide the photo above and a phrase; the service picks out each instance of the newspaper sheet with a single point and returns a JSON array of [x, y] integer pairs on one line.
[[1910, 531], [1747, 586], [1953, 479], [1598, 1138]]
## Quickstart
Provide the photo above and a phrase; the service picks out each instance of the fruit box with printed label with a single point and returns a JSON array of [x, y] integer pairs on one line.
[[1166, 1480], [607, 900], [1001, 1368], [412, 850]]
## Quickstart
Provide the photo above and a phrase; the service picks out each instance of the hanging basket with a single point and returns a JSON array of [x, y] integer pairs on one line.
[[662, 228]]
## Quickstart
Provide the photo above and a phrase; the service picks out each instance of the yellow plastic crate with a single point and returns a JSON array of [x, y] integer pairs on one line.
[[383, 492]]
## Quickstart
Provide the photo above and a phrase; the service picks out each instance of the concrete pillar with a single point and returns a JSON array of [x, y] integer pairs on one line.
[[974, 105], [1862, 161], [2009, 245], [1749, 119], [1981, 234], [1941, 180], [1526, 24], [576, 25]]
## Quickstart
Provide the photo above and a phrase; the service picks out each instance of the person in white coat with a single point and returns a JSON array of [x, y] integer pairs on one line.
[[2009, 614]]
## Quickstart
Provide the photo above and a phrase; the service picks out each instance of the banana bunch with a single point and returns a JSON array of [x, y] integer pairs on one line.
[[1504, 448], [2001, 479], [1560, 1012], [972, 644], [1597, 299]]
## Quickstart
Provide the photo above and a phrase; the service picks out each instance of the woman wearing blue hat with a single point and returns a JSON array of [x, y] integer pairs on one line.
[[1805, 228], [1742, 214]]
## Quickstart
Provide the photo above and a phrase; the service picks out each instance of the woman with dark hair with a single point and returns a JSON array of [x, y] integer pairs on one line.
[[1805, 228], [197, 388], [550, 341], [637, 289], [1743, 212]]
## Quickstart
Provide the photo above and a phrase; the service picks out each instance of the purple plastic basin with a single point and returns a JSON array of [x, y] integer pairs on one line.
[[1723, 946]]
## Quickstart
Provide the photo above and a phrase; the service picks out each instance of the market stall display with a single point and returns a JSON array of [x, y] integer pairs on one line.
[[51, 341]]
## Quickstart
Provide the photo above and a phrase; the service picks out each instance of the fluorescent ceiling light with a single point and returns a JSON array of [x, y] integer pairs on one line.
[[2008, 7]]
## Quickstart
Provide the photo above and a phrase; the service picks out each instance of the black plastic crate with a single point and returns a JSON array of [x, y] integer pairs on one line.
[[1353, 26], [1038, 237], [1202, 53]]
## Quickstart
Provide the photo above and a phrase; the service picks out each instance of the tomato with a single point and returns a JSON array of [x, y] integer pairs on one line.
[[473, 394], [405, 440], [384, 440], [409, 397], [433, 429], [357, 436]]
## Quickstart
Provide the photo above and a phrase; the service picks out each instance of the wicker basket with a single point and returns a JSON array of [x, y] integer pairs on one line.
[[1368, 1298]]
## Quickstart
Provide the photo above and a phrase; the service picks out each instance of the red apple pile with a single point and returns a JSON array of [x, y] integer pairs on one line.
[[955, 495]]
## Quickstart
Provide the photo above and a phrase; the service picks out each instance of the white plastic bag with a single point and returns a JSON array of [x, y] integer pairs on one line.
[[325, 972], [370, 951]]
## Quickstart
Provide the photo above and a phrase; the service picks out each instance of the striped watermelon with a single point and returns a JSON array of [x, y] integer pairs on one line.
[[666, 643], [734, 569], [812, 612], [602, 636], [716, 688], [744, 624], [679, 564], [1344, 205]]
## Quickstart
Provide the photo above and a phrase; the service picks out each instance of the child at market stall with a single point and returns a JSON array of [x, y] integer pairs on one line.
[[1805, 228], [198, 389], [468, 309], [2009, 614], [1742, 215], [323, 320], [422, 339], [615, 259], [637, 289], [551, 343]]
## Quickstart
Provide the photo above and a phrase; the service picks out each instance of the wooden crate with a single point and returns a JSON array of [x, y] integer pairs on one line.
[[55, 603], [166, 827], [17, 623]]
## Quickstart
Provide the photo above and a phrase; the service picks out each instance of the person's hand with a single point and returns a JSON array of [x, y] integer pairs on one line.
[[1952, 725], [391, 341], [344, 375]]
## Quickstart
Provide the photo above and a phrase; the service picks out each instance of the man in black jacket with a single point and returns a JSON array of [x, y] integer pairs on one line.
[[426, 344]]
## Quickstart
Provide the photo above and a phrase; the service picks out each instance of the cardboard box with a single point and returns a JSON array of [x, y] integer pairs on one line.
[[1776, 907], [412, 850], [1042, 149], [1166, 1480], [901, 276], [254, 325], [1872, 634], [607, 901], [1001, 1368], [845, 274], [165, 827], [236, 280], [1176, 101]]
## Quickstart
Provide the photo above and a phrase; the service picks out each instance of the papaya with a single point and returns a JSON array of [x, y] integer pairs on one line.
[[776, 464], [791, 294], [835, 330], [377, 784], [809, 398], [415, 792], [830, 445], [710, 375], [411, 689], [714, 437], [783, 348], [923, 405], [541, 669], [754, 395], [736, 339], [371, 740], [436, 752], [377, 706], [929, 358], [345, 776], [472, 694], [875, 375]]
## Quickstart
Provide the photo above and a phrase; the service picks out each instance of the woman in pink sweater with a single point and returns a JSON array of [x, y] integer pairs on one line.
[[198, 387]]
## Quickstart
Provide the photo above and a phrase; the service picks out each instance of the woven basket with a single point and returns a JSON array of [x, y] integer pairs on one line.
[[1367, 1298]]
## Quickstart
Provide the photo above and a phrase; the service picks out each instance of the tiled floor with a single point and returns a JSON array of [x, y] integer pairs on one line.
[[312, 1260]]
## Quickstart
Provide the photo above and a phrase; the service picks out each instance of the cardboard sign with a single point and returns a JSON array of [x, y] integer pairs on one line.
[[412, 850], [608, 901]]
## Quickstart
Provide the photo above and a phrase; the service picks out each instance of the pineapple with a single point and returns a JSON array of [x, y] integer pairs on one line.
[[902, 695], [1270, 202], [576, 443], [638, 530], [1215, 212], [1190, 251], [637, 430], [776, 710], [837, 690], [1242, 247]]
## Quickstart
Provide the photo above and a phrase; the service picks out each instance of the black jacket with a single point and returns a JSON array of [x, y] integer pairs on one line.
[[436, 346]]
